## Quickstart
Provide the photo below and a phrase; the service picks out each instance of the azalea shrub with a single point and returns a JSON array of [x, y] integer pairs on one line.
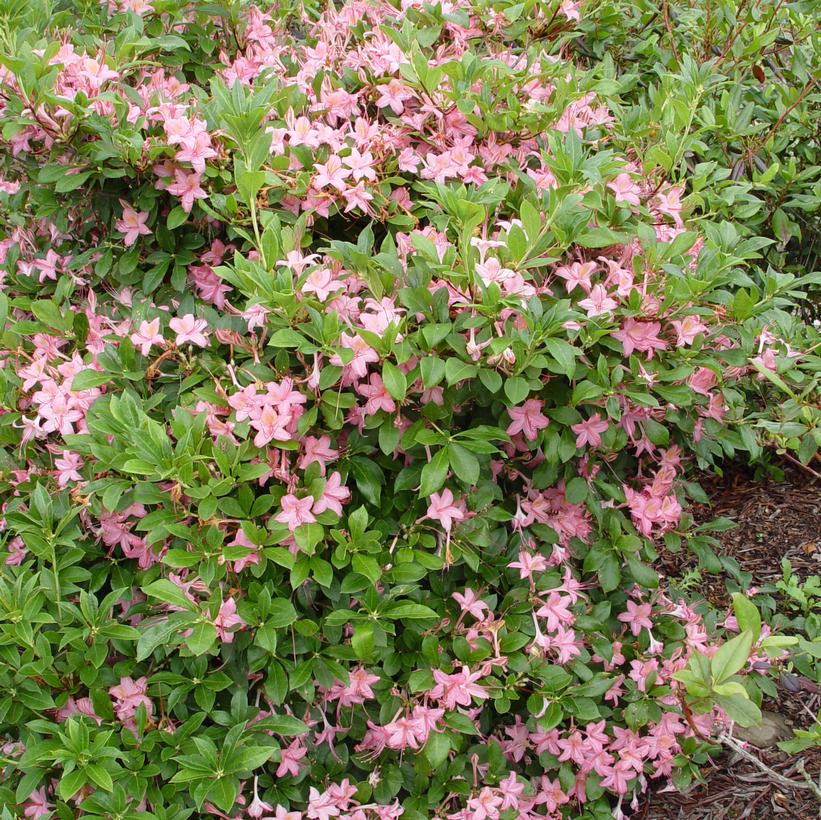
[[357, 362]]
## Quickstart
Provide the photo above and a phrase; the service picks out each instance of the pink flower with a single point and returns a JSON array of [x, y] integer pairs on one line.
[[357, 690], [625, 190], [334, 495], [67, 466], [641, 336], [317, 450], [589, 431], [226, 619], [289, 759], [321, 283], [147, 335], [457, 689], [332, 173], [577, 275], [527, 419], [132, 224], [189, 329], [687, 329], [296, 511], [702, 381], [37, 805], [393, 95], [377, 395], [187, 188], [128, 696], [196, 150], [471, 603], [443, 509], [637, 616], [598, 303]]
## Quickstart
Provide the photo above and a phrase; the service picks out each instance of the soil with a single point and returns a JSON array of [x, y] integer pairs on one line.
[[776, 519]]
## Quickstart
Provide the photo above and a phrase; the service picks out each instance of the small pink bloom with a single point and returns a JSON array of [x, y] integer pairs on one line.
[[589, 431], [146, 336], [190, 329], [527, 419], [296, 511], [226, 619], [132, 224], [443, 509]]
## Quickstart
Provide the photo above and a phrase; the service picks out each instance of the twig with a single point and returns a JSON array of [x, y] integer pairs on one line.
[[781, 119], [810, 782], [733, 744], [800, 464], [668, 25]]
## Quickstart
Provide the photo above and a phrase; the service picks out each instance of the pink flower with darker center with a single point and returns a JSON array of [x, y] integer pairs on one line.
[[334, 495], [625, 190], [187, 188], [146, 336], [132, 224], [527, 419]]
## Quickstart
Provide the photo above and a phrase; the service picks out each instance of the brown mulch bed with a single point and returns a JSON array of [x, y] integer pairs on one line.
[[737, 790], [776, 520]]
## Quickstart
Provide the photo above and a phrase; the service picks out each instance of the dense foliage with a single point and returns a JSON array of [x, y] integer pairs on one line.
[[355, 364]]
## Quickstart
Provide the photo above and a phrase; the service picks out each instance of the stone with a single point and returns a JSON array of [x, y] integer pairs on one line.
[[773, 728]]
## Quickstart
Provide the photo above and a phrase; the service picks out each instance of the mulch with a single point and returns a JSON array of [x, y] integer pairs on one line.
[[777, 519]]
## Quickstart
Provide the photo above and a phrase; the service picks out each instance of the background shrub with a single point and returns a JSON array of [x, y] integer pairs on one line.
[[355, 361]]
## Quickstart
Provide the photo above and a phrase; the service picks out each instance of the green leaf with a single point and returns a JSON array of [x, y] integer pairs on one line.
[[367, 566], [100, 777], [434, 473], [283, 725], [409, 610], [747, 615], [576, 490], [460, 723], [169, 593], [176, 218], [432, 370], [731, 657], [202, 637], [437, 748], [517, 390], [71, 783], [740, 709], [395, 381], [281, 613], [464, 463], [457, 371], [286, 337], [565, 355], [88, 379]]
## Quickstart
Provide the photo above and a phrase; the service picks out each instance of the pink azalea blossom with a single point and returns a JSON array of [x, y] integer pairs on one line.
[[637, 616], [527, 419], [443, 509], [226, 619], [132, 224], [296, 511], [190, 329], [146, 336], [589, 431]]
